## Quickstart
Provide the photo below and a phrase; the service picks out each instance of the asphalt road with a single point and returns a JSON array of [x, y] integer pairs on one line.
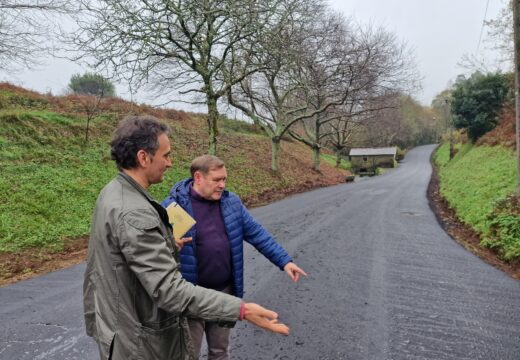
[[385, 282]]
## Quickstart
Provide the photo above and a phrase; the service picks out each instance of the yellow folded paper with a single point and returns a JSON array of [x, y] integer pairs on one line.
[[179, 219]]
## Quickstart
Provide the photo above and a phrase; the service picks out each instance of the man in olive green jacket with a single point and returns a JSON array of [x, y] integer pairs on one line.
[[135, 301]]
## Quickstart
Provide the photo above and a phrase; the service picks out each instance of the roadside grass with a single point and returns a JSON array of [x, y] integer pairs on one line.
[[331, 160], [474, 182], [381, 171]]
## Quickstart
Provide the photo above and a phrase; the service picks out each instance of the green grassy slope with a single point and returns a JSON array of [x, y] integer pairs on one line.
[[50, 177], [474, 181]]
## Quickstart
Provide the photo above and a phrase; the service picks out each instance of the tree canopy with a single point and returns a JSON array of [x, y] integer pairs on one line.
[[477, 100], [91, 84]]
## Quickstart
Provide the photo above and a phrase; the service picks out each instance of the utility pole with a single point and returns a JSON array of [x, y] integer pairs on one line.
[[447, 114], [516, 28]]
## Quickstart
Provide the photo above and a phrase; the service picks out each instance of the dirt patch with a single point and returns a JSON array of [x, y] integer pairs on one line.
[[462, 233], [31, 262]]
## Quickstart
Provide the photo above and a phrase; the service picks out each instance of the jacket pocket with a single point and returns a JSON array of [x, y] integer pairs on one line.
[[163, 340]]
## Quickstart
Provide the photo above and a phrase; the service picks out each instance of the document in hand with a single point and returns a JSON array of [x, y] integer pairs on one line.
[[180, 220]]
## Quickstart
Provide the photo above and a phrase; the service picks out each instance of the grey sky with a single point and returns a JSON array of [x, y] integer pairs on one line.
[[440, 31]]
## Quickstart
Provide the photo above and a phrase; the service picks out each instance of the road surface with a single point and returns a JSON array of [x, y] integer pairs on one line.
[[385, 282]]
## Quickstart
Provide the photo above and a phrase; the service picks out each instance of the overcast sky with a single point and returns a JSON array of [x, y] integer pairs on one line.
[[440, 32]]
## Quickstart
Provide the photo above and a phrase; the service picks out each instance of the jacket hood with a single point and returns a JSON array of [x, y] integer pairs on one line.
[[181, 187]]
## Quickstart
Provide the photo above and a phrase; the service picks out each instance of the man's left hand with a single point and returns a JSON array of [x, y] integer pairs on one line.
[[180, 242], [294, 271]]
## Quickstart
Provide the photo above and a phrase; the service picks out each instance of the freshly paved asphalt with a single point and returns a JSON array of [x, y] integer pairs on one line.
[[385, 282]]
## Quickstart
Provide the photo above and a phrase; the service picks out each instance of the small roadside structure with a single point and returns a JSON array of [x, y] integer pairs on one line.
[[365, 161]]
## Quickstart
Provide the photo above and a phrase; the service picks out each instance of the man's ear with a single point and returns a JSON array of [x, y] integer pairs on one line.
[[142, 158], [196, 176]]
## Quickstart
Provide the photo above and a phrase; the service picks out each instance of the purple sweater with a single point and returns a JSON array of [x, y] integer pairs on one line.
[[212, 244]]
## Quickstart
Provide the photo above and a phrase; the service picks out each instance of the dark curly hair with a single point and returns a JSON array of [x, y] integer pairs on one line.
[[136, 133]]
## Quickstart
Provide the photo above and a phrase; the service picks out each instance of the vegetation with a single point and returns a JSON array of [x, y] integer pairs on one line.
[[419, 124], [477, 100], [203, 47], [475, 183], [504, 231], [310, 65], [301, 56], [91, 84], [403, 122], [332, 160], [50, 179]]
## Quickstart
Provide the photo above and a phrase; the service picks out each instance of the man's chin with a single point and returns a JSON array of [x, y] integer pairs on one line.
[[158, 181]]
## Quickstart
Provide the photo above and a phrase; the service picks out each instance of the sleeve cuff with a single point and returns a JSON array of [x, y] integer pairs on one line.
[[242, 314]]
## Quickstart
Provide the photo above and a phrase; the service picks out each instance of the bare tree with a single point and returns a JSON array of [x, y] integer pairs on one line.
[[274, 98], [500, 32], [499, 38], [355, 121], [185, 46], [372, 63], [26, 30], [323, 72], [381, 127], [90, 105], [339, 131]]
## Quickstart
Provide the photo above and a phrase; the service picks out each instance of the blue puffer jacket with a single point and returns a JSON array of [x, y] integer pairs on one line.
[[240, 226]]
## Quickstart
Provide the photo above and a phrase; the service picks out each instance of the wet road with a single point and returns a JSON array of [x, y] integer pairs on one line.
[[385, 282]]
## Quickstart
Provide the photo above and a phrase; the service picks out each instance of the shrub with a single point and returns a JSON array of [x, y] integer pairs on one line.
[[504, 231], [91, 84], [477, 100]]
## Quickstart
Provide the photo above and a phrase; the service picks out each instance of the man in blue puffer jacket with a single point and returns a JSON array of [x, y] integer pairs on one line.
[[212, 254]]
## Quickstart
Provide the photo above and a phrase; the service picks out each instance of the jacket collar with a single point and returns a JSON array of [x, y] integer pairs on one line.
[[133, 183], [160, 210]]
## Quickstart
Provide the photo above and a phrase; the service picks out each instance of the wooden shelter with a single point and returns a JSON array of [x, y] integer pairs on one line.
[[367, 160]]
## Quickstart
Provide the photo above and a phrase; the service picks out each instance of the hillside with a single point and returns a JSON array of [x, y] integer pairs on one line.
[[475, 195], [51, 176]]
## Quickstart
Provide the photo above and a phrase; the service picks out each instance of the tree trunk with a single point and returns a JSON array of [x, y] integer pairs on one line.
[[316, 146], [338, 158], [316, 157], [86, 132], [275, 151], [212, 125]]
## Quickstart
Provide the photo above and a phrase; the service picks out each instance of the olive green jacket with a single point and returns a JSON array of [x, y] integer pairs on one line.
[[135, 300]]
